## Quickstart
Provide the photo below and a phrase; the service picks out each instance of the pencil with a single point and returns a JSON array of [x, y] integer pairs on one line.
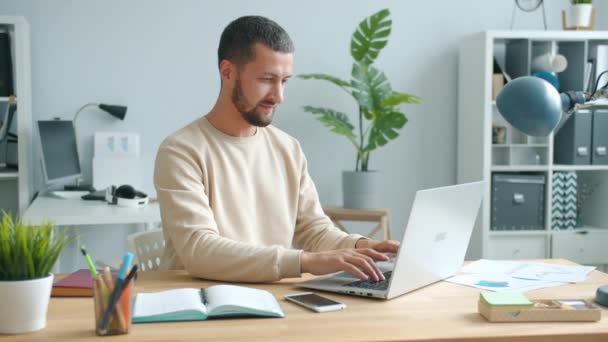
[[118, 314]]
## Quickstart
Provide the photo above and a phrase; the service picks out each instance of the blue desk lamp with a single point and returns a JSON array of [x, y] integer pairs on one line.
[[533, 106]]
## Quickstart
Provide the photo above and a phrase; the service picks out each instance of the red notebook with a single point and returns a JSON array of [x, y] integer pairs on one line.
[[77, 284]]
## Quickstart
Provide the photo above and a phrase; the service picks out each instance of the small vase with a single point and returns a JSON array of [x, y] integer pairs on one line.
[[580, 15], [361, 190], [24, 304]]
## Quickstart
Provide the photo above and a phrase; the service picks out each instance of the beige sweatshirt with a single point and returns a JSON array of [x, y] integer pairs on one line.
[[234, 209]]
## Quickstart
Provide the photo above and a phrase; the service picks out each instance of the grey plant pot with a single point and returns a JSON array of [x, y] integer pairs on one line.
[[361, 190]]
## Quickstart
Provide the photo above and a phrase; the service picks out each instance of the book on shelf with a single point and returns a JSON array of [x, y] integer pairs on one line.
[[589, 81], [598, 58], [192, 304]]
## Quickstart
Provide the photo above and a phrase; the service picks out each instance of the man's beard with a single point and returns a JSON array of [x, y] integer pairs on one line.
[[252, 116]]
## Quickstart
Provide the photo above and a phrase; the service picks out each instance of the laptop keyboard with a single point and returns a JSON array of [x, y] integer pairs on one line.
[[372, 285]]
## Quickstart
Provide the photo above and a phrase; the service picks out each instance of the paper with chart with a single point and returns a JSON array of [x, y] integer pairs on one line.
[[500, 283], [499, 275]]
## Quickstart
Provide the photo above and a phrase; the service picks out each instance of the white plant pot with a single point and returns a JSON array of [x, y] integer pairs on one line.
[[580, 15], [24, 305], [361, 190]]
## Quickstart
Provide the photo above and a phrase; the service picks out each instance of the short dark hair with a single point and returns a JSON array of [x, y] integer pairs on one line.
[[239, 37]]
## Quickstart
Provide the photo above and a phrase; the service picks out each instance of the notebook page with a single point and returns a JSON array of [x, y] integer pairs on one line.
[[239, 296], [164, 302]]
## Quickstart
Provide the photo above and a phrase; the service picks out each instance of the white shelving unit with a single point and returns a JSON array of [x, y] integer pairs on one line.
[[16, 185], [478, 158]]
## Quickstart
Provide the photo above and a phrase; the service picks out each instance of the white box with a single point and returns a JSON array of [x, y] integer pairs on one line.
[[116, 144]]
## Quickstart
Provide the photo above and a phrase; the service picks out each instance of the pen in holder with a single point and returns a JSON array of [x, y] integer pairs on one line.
[[120, 318]]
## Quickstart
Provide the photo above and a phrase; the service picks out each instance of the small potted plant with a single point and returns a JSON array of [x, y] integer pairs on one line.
[[580, 13], [379, 115], [27, 254]]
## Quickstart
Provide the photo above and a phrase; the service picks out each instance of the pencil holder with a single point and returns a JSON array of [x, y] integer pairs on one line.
[[120, 319]]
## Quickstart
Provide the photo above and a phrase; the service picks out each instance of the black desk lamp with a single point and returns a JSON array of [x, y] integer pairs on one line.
[[533, 106], [116, 111]]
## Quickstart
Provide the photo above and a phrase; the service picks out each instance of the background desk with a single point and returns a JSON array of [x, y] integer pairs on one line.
[[78, 212], [74, 212], [442, 311]]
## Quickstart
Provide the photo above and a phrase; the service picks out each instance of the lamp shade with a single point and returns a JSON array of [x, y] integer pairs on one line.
[[531, 105], [118, 112]]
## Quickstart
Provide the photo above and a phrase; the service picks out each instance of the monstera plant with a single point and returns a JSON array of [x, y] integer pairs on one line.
[[379, 118]]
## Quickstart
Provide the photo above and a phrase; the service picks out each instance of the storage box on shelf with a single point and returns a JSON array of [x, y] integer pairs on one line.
[[492, 150]]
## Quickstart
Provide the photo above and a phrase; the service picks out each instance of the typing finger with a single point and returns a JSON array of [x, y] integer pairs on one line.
[[374, 266], [388, 246], [377, 256], [347, 267], [364, 265]]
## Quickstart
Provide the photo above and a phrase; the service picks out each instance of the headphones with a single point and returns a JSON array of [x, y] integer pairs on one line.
[[126, 196]]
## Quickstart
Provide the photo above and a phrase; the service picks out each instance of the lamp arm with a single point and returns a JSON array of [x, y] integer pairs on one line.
[[572, 101], [90, 104], [81, 109]]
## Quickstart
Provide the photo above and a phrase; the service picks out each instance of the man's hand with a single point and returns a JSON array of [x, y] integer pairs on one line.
[[359, 262], [385, 246]]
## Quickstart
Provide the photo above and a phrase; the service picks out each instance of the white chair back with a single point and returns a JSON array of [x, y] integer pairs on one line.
[[148, 248]]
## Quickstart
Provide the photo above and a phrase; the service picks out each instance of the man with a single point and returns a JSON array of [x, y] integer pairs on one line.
[[234, 192]]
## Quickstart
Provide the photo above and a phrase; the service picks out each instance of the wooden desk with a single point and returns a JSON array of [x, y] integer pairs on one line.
[[443, 311]]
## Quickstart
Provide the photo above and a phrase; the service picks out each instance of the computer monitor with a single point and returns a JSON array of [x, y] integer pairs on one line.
[[59, 153]]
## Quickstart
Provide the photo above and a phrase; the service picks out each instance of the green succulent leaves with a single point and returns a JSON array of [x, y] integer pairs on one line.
[[27, 251]]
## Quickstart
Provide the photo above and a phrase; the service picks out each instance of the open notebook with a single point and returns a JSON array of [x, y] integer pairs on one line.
[[190, 304]]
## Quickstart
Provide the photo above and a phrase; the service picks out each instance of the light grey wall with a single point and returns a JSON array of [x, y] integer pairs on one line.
[[159, 58], [602, 11]]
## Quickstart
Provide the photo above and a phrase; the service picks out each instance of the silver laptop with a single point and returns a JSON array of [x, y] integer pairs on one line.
[[433, 247]]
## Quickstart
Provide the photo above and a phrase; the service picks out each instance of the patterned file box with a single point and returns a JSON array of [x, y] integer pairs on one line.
[[563, 201]]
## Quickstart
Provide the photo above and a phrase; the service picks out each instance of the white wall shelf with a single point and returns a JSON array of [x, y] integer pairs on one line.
[[9, 175], [520, 168], [519, 145], [479, 157], [16, 187], [519, 233], [580, 167]]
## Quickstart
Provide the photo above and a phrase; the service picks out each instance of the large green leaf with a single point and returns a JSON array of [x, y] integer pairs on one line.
[[370, 87], [385, 128], [338, 121], [370, 37], [325, 77], [398, 98]]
